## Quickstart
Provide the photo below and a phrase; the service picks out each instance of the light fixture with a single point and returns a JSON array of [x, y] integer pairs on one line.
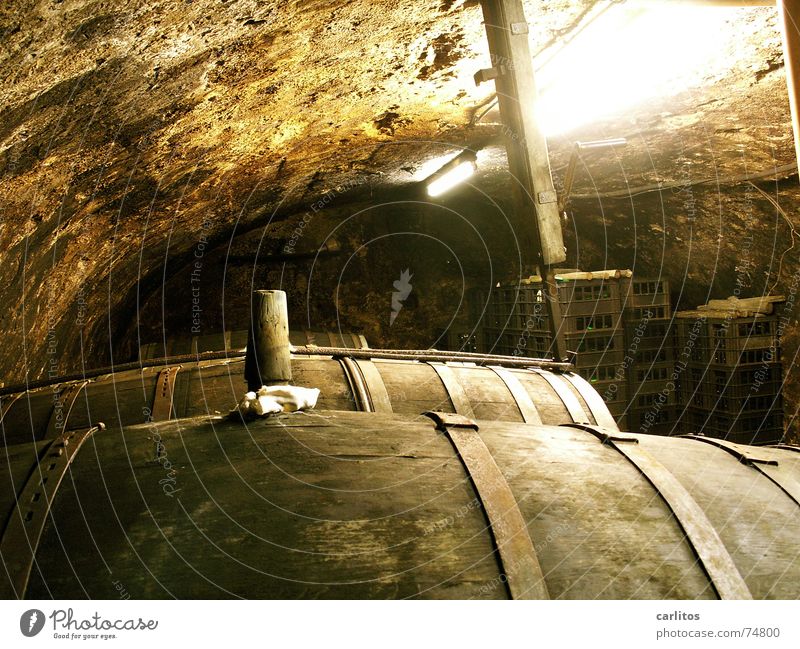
[[451, 173]]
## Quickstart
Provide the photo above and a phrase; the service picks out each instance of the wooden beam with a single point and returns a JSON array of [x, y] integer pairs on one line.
[[528, 160], [789, 15], [537, 220], [267, 361]]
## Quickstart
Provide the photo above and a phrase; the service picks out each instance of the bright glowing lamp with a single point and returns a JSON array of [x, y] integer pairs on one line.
[[451, 174]]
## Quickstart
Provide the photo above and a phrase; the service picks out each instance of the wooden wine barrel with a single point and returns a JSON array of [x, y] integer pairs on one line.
[[237, 340], [333, 504], [386, 385]]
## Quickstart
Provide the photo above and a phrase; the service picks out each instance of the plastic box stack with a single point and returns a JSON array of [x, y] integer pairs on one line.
[[650, 355], [515, 323], [730, 370]]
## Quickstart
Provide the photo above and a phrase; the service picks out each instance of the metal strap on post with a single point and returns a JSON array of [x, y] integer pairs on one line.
[[165, 391], [700, 533], [455, 391], [530, 415], [376, 388], [59, 416], [761, 463], [518, 558], [570, 401], [358, 387], [597, 406], [23, 533]]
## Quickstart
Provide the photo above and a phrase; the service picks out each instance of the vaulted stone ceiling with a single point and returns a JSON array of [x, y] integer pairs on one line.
[[135, 134]]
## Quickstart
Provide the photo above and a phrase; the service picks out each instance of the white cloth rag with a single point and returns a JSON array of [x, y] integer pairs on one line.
[[278, 398]]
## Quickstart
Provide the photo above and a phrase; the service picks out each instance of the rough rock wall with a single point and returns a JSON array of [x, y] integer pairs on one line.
[[133, 133]]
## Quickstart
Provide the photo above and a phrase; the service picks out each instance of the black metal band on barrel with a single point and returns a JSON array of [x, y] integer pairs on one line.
[[597, 406], [520, 564], [569, 400], [766, 466], [786, 447], [378, 395], [700, 533], [455, 391], [530, 415], [23, 533], [165, 391], [358, 386], [59, 416]]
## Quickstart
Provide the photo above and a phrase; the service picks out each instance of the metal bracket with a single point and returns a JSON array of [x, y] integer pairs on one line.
[[764, 465], [607, 436], [488, 74], [743, 454], [519, 28], [509, 531], [700, 533], [23, 533], [547, 197], [445, 420], [165, 391]]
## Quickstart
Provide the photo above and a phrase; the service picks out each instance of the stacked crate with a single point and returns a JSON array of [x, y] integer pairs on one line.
[[650, 355], [515, 323], [730, 370], [592, 320]]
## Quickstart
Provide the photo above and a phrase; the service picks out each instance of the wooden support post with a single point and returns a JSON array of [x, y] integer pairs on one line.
[[789, 15], [268, 361], [537, 218], [507, 33]]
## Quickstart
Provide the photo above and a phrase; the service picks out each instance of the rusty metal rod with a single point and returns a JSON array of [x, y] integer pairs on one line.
[[396, 354], [426, 355]]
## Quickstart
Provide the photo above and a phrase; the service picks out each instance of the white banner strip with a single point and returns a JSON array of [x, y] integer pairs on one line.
[[400, 625]]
